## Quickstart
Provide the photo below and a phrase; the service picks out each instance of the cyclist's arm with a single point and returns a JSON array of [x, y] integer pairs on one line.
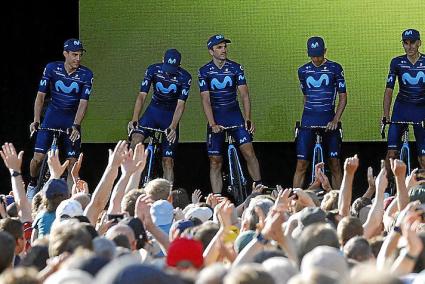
[[178, 113], [206, 104], [138, 105], [81, 111], [38, 106], [388, 96], [246, 101], [342, 102]]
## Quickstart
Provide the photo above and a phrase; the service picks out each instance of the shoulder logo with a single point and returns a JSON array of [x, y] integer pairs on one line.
[[202, 83], [241, 77], [341, 85], [43, 82], [145, 83], [185, 92]]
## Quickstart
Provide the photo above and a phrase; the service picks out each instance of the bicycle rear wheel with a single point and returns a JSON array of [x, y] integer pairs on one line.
[[236, 179], [405, 157], [44, 175]]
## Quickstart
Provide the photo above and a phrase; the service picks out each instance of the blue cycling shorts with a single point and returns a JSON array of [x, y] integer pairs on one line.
[[156, 116], [58, 119], [226, 117], [404, 111]]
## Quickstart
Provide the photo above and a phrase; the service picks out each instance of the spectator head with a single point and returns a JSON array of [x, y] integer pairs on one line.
[[162, 213], [316, 277], [12, 210], [267, 254], [212, 274], [67, 236], [347, 228], [358, 249], [180, 198], [69, 276], [312, 215], [316, 235], [7, 248], [358, 204], [368, 274], [139, 230], [36, 257], [83, 198], [159, 189], [243, 239], [330, 200], [280, 268], [85, 260], [104, 247], [128, 202], [250, 218], [128, 270], [325, 258], [20, 275], [16, 229], [55, 191], [417, 192], [205, 233], [122, 230], [251, 273], [69, 208], [202, 213], [37, 203], [185, 254]]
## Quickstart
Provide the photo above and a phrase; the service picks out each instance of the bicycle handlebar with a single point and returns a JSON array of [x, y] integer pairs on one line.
[[226, 128], [152, 129], [57, 130], [384, 123]]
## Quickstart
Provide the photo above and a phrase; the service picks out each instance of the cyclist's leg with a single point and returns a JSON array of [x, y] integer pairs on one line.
[[72, 151], [332, 143], [215, 143], [42, 144], [420, 143], [147, 120], [304, 143], [395, 133], [168, 153], [244, 140]]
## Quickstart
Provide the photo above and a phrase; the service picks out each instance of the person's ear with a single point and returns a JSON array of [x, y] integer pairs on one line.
[[211, 52]]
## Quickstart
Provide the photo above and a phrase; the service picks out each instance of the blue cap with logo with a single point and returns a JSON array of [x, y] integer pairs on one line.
[[73, 44], [216, 39], [55, 187], [410, 34], [172, 58], [315, 46]]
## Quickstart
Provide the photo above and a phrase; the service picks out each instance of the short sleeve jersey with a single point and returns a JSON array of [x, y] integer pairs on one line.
[[167, 88], [321, 84], [221, 83], [66, 89], [411, 79]]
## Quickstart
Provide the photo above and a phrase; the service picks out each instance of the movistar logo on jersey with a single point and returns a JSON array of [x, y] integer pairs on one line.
[[145, 83], [243, 140], [171, 61], [241, 77], [185, 92], [406, 77], [88, 91], [390, 79], [216, 84], [314, 45], [43, 82], [61, 87], [334, 154], [202, 83], [162, 89], [311, 82]]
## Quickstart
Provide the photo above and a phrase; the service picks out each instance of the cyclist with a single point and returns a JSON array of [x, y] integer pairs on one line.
[[219, 81], [171, 85], [409, 105], [70, 85], [321, 80]]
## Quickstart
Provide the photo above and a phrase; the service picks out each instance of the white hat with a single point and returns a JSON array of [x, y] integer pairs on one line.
[[202, 213], [69, 207]]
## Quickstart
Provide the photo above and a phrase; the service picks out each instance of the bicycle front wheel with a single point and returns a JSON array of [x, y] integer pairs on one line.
[[44, 175], [236, 179]]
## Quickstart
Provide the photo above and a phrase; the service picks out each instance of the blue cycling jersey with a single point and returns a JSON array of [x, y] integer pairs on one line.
[[66, 89], [411, 79], [221, 83], [167, 88], [320, 84]]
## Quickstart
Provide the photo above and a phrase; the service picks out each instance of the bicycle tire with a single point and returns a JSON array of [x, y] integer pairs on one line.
[[319, 159], [404, 156], [238, 188], [43, 175], [146, 175]]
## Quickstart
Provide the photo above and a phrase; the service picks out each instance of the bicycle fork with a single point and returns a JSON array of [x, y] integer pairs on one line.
[[151, 153], [405, 150], [317, 156]]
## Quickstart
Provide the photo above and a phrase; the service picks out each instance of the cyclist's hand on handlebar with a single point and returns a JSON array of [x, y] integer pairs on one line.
[[131, 126], [332, 125], [34, 127], [249, 125], [171, 134], [216, 128], [75, 133]]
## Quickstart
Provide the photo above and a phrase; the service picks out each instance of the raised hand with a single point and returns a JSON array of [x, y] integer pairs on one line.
[[398, 167], [303, 198], [11, 160], [283, 200], [273, 226], [129, 165], [351, 165], [117, 156], [196, 196], [142, 210], [381, 180], [55, 167], [326, 185], [75, 172], [370, 178]]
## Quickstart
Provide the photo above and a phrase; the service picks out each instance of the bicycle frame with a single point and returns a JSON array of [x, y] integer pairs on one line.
[[231, 148], [317, 155]]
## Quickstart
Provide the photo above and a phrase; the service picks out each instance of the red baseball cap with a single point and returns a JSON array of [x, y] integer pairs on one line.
[[185, 250]]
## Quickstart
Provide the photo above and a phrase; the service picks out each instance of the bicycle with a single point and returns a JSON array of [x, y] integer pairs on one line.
[[318, 149], [44, 173], [237, 186], [405, 149], [151, 150]]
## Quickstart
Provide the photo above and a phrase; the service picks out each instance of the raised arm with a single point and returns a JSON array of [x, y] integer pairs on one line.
[[344, 200]]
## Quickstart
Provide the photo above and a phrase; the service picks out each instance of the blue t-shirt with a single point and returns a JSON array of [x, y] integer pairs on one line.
[[66, 89], [411, 79], [221, 83], [320, 85], [167, 88], [43, 223]]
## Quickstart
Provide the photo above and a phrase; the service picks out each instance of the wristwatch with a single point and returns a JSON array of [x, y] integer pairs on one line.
[[261, 239], [397, 229], [14, 173]]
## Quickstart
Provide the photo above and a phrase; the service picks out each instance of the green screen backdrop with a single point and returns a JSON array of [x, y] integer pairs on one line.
[[268, 38]]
